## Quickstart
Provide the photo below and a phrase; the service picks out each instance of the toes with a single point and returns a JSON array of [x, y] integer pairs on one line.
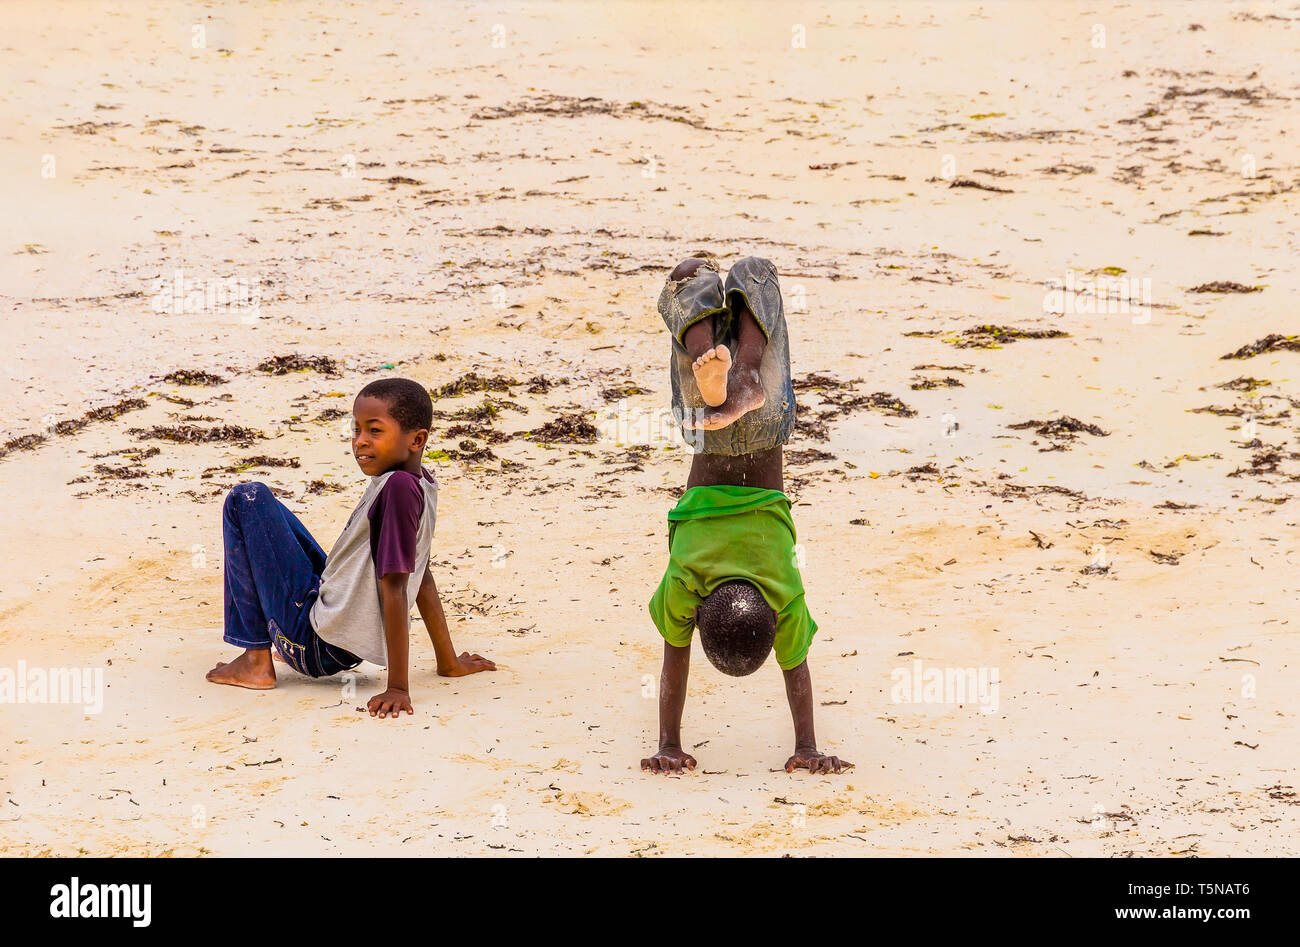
[[719, 353], [712, 421]]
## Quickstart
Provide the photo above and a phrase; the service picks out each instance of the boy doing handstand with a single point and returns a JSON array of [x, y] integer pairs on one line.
[[732, 570]]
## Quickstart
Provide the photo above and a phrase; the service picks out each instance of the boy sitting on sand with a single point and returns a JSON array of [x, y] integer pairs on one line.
[[328, 614], [731, 570]]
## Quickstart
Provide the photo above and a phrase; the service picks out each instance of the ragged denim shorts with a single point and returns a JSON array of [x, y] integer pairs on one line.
[[682, 303]]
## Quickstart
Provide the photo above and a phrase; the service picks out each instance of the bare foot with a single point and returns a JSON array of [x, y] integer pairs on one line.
[[669, 759], [745, 394], [711, 370], [816, 762], [252, 669]]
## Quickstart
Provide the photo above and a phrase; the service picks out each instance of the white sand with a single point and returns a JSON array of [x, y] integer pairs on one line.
[[1126, 720]]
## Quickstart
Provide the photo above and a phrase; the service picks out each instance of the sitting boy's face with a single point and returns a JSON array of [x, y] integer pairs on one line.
[[379, 443]]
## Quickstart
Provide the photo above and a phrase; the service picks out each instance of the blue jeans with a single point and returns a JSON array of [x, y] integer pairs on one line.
[[273, 570], [752, 283]]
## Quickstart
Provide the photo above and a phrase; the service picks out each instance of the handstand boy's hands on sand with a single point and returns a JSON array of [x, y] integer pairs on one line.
[[324, 614], [732, 571]]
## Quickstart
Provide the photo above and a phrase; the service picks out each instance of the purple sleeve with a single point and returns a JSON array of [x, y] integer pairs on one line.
[[394, 522]]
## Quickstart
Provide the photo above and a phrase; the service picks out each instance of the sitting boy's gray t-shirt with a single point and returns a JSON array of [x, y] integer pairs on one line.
[[391, 530]]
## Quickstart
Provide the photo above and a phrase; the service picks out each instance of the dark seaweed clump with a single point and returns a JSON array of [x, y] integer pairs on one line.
[[192, 434], [619, 392], [838, 400], [483, 413], [1064, 426], [540, 384], [128, 472], [25, 442], [187, 376], [808, 456], [1225, 286], [1011, 333], [473, 381], [1245, 383], [284, 364], [979, 185], [925, 384], [1270, 343], [471, 453], [566, 429], [108, 412], [136, 454], [811, 427], [261, 460], [483, 433], [320, 487], [1266, 461], [814, 381], [248, 463], [989, 336], [879, 401]]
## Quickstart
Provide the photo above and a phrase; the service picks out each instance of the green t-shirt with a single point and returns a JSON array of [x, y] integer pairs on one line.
[[717, 534]]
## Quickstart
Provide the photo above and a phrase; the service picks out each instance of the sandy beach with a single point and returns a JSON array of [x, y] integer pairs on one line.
[[209, 248]]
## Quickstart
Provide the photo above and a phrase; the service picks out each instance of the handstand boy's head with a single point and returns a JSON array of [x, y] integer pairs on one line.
[[390, 426], [737, 628]]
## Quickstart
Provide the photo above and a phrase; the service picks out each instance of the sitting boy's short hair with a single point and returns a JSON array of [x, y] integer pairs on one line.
[[737, 627], [408, 401]]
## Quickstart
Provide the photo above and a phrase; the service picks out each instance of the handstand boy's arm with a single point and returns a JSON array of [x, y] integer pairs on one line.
[[435, 623], [397, 632], [671, 758], [798, 690]]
